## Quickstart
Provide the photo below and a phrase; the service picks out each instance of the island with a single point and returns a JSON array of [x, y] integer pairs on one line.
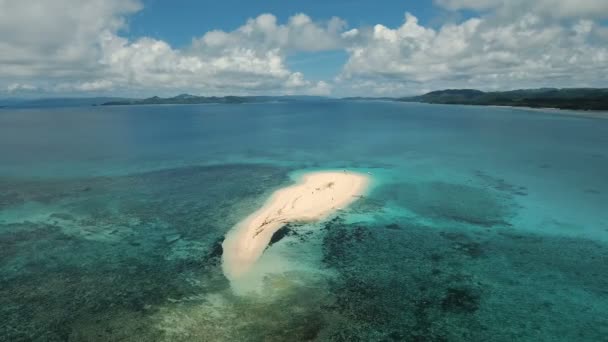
[[194, 99], [567, 98]]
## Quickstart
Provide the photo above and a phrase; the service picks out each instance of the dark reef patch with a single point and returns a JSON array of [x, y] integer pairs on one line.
[[214, 254], [452, 202], [344, 239], [367, 204], [500, 184], [393, 283], [290, 230], [574, 262], [10, 198], [286, 230], [463, 243], [393, 226], [62, 216], [592, 191], [515, 235], [472, 249], [460, 300]]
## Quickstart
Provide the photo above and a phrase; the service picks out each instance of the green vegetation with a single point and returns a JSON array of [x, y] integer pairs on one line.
[[570, 98], [193, 99], [181, 99]]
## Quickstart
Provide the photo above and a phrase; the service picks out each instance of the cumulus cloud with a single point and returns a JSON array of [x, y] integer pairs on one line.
[[73, 45], [526, 51], [300, 33], [234, 68], [56, 38], [19, 87]]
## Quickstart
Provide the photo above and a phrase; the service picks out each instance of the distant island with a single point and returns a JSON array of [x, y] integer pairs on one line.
[[180, 99], [193, 99], [569, 98]]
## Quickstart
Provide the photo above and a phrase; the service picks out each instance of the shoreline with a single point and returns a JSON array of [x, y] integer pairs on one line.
[[594, 114], [314, 197]]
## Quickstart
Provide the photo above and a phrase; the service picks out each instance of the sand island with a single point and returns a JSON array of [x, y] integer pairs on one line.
[[316, 196]]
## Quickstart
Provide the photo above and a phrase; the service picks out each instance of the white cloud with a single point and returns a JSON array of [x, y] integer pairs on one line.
[[95, 85], [300, 33], [19, 87], [524, 52], [72, 45], [56, 38], [233, 68], [549, 8]]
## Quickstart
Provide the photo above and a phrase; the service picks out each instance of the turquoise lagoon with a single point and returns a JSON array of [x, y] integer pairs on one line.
[[483, 224]]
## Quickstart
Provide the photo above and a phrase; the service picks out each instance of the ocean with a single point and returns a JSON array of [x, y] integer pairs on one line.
[[481, 224]]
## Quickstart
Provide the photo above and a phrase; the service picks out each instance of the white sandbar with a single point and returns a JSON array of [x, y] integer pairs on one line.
[[315, 197]]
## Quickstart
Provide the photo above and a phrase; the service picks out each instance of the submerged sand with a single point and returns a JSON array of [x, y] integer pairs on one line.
[[316, 196]]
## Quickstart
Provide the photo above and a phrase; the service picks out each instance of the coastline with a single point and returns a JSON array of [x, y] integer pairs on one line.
[[314, 197], [595, 114]]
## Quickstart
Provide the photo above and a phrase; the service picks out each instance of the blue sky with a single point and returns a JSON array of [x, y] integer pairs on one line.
[[179, 21], [273, 47]]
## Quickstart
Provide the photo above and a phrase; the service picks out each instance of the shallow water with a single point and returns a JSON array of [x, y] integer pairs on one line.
[[483, 224]]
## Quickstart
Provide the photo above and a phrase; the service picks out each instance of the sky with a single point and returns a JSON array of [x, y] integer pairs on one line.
[[141, 48]]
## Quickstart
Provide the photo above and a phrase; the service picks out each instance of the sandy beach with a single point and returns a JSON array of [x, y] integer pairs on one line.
[[316, 196]]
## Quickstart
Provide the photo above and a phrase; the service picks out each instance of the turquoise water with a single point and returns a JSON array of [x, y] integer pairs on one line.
[[483, 224]]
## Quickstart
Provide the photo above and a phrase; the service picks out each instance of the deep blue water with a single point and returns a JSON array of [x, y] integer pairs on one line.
[[483, 224]]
